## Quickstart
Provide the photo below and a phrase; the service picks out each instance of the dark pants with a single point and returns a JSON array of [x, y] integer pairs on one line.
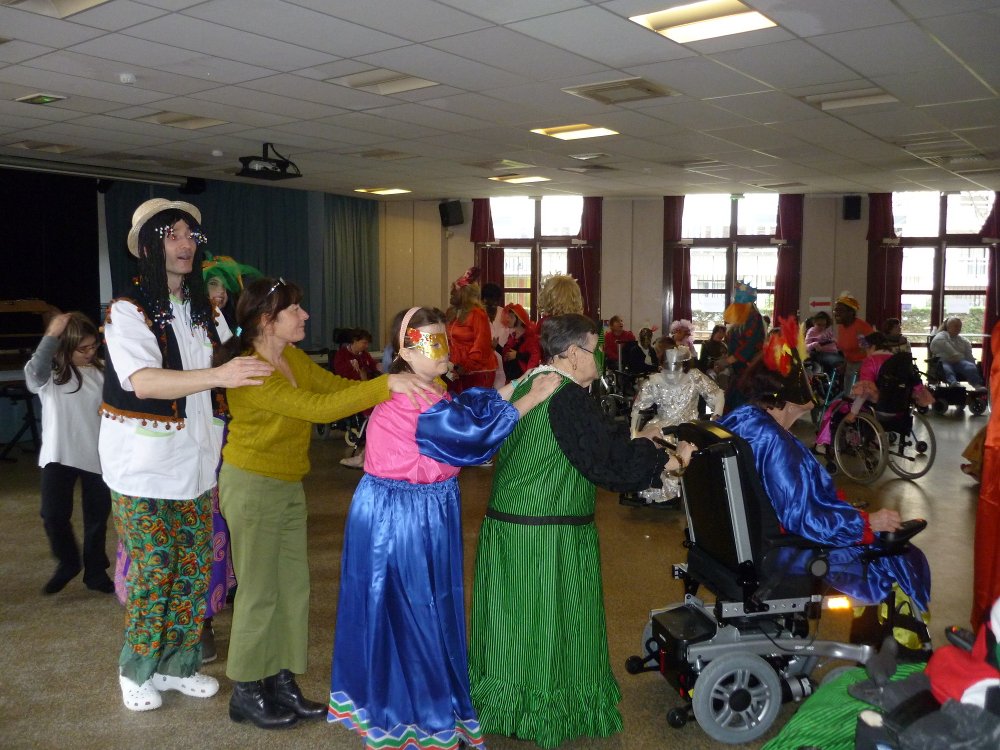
[[57, 511]]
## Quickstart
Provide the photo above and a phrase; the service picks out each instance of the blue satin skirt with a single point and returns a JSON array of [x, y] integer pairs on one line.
[[400, 668]]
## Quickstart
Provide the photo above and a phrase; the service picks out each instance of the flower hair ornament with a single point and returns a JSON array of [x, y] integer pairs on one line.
[[469, 277]]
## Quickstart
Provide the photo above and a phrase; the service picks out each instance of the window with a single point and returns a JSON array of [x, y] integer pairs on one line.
[[944, 263], [535, 235], [720, 255]]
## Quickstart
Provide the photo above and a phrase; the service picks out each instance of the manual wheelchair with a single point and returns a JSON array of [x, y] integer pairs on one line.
[[738, 659], [894, 432]]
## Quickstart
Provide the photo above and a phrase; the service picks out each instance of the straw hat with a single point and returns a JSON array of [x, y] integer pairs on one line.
[[148, 210]]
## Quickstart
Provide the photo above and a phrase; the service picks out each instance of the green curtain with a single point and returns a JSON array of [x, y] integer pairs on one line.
[[350, 264], [264, 227]]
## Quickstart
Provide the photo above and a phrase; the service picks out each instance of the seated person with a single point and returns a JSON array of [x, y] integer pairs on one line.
[[675, 393], [615, 338], [522, 351], [895, 341], [802, 492], [866, 388], [640, 358], [681, 332], [821, 343], [712, 360], [352, 360], [955, 354]]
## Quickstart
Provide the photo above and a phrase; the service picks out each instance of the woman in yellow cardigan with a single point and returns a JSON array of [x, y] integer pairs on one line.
[[262, 499]]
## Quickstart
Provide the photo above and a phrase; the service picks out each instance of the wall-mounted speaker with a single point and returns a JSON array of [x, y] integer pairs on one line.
[[451, 213], [852, 207]]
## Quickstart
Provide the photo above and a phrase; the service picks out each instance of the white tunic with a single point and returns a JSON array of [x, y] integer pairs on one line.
[[70, 422], [147, 461]]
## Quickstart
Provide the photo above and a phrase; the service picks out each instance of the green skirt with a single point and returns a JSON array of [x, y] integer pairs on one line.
[[538, 659]]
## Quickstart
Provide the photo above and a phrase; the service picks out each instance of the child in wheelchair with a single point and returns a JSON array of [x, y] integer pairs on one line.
[[888, 382]]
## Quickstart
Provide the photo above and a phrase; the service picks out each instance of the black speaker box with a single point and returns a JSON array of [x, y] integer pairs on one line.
[[852, 207], [451, 213]]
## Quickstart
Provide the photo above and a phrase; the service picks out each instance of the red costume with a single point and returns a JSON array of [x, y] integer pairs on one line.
[[986, 577], [471, 345]]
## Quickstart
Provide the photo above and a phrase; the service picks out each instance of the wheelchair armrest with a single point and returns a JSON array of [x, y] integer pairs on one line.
[[902, 535]]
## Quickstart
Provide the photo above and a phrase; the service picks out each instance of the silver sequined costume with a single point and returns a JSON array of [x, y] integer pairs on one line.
[[675, 397]]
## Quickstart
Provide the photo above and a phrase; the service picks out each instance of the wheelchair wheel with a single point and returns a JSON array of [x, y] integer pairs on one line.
[[860, 448], [355, 431], [736, 698], [911, 456], [609, 405], [939, 406], [978, 404]]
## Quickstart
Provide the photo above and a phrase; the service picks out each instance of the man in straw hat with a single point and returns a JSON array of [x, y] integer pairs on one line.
[[159, 447]]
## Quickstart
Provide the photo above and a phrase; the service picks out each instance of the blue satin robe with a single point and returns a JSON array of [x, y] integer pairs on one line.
[[805, 499]]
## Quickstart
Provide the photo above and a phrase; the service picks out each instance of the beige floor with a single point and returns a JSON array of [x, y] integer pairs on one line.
[[58, 653]]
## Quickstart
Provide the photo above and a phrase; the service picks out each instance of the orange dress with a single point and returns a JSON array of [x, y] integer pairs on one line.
[[471, 345]]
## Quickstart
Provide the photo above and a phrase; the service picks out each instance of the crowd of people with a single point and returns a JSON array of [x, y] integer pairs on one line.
[[192, 426]]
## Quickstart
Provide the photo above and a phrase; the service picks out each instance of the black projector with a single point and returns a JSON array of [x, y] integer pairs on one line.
[[266, 167]]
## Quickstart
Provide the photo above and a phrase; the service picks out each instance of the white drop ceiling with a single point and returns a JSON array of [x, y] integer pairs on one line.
[[738, 120]]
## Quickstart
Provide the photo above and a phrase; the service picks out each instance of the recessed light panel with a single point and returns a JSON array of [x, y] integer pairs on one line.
[[574, 132]]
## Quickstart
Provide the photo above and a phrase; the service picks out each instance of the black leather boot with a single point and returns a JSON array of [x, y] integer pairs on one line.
[[250, 702], [285, 692]]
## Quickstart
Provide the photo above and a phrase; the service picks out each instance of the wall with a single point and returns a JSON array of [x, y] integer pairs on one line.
[[418, 258]]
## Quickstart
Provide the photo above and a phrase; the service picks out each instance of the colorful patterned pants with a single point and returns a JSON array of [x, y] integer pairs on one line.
[[169, 544]]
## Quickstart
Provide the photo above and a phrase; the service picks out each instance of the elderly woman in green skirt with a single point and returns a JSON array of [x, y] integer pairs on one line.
[[538, 660]]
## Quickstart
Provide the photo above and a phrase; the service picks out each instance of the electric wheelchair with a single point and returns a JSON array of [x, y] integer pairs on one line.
[[738, 659], [958, 395]]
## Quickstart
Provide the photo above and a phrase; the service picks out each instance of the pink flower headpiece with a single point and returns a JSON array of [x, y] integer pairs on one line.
[[469, 277]]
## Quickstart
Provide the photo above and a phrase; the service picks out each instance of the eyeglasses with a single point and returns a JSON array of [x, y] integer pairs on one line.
[[589, 351], [87, 348], [279, 282]]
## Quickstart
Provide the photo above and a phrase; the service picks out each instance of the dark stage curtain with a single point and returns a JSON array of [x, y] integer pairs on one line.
[[789, 273], [885, 262], [51, 246], [583, 261]]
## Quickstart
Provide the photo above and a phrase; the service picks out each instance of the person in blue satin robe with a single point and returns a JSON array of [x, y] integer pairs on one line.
[[803, 493]]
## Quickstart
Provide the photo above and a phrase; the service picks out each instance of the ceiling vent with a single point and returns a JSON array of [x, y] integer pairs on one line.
[[382, 81], [589, 168], [620, 91], [181, 120]]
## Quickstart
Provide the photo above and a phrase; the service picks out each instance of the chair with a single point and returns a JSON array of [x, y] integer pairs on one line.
[[739, 658], [959, 395]]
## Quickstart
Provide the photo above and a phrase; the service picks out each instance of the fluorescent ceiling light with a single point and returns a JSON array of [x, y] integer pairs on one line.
[[40, 98], [181, 120], [53, 8], [704, 20], [850, 99], [48, 148], [518, 179], [381, 191], [382, 81], [573, 132]]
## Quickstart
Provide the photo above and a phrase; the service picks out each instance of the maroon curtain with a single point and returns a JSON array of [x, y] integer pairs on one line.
[[789, 272], [676, 263], [583, 262], [490, 262], [991, 230], [591, 220], [885, 262], [482, 221]]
